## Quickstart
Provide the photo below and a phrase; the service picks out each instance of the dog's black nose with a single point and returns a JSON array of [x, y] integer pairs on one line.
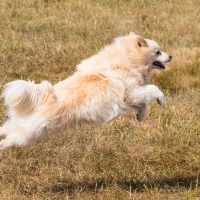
[[170, 57]]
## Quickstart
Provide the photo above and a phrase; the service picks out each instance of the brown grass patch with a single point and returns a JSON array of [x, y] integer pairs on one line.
[[156, 159]]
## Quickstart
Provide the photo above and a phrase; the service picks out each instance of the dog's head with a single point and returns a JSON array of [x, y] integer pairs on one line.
[[145, 52], [156, 56]]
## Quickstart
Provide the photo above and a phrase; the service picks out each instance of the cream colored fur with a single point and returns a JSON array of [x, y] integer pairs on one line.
[[109, 84]]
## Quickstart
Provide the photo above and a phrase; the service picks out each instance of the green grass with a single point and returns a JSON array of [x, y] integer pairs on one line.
[[156, 159]]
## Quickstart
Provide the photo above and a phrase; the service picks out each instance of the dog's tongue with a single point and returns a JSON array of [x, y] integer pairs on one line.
[[159, 64]]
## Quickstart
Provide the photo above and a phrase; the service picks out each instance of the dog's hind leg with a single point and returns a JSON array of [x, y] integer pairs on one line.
[[14, 137], [6, 143], [3, 130], [6, 129], [2, 133], [12, 140]]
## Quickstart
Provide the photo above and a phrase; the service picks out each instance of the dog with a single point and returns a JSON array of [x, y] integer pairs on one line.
[[109, 84]]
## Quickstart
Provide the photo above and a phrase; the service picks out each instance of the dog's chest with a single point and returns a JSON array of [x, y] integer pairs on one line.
[[146, 78], [141, 77], [145, 73]]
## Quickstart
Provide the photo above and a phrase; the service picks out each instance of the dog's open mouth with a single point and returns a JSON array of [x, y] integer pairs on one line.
[[159, 65]]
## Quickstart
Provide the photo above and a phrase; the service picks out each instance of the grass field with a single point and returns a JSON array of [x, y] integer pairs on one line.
[[156, 159]]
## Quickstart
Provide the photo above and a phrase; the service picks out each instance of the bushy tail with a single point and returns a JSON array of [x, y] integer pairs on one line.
[[22, 96]]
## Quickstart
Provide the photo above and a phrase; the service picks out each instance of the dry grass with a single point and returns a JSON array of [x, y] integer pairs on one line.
[[156, 159]]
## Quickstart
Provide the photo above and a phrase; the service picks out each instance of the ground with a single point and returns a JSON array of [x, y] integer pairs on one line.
[[156, 159]]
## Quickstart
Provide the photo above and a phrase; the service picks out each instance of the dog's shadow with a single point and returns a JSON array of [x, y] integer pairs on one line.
[[189, 182]]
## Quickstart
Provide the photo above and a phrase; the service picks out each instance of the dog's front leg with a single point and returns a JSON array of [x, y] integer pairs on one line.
[[141, 112], [143, 95]]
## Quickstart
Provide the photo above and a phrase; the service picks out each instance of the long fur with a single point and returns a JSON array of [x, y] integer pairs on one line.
[[109, 84]]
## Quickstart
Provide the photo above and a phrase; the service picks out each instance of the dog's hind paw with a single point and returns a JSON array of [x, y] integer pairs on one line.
[[6, 143]]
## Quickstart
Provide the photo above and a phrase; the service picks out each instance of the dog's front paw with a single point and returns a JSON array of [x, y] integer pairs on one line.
[[160, 98]]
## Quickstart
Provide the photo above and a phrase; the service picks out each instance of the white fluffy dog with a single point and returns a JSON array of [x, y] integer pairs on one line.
[[109, 84]]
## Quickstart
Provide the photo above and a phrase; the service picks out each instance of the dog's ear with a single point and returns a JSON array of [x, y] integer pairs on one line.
[[141, 42], [132, 34]]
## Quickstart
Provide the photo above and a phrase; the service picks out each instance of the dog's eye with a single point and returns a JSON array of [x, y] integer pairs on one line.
[[158, 53]]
